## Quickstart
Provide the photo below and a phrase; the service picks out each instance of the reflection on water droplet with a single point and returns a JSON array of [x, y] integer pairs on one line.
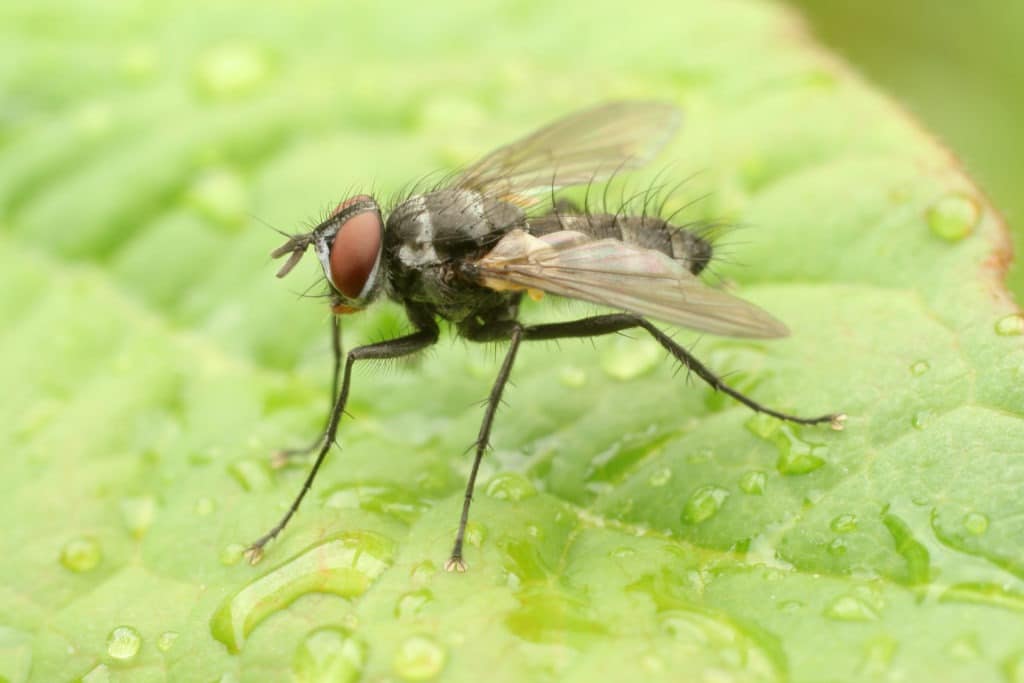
[[953, 217], [231, 71], [976, 523], [625, 359], [204, 506], [220, 195], [837, 547], [919, 368], [850, 608], [137, 514], [123, 642], [99, 674], [413, 602], [753, 482], [80, 554], [253, 475], [166, 640], [231, 554], [329, 655], [512, 486], [660, 477], [344, 565], [419, 658], [844, 523], [1011, 325], [704, 504], [572, 376]]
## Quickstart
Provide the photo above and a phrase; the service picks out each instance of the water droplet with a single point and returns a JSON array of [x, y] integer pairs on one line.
[[123, 643], [231, 554], [511, 486], [914, 553], [837, 547], [476, 532], [796, 456], [660, 477], [419, 659], [953, 217], [385, 499], [790, 606], [753, 482], [422, 571], [220, 195], [704, 504], [166, 640], [413, 602], [344, 565], [1011, 325], [329, 655], [920, 420], [99, 674], [80, 554], [850, 608], [572, 377], [622, 553], [253, 475], [137, 514], [204, 506], [920, 367], [976, 523], [234, 70], [625, 359], [844, 523]]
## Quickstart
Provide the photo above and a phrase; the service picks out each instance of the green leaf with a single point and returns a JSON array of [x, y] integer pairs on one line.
[[628, 522]]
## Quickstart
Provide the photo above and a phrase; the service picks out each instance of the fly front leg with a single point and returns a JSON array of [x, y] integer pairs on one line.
[[281, 457], [392, 348]]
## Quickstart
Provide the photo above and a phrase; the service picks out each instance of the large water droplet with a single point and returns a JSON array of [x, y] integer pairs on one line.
[[976, 523], [253, 475], [753, 482], [919, 368], [329, 655], [419, 658], [232, 70], [123, 643], [345, 565], [137, 514], [625, 359], [913, 551], [413, 602], [166, 640], [80, 554], [796, 455], [1011, 325], [385, 499], [850, 608], [511, 486], [953, 217], [231, 554], [704, 504], [844, 523]]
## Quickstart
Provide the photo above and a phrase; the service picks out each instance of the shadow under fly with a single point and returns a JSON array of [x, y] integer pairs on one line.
[[467, 250]]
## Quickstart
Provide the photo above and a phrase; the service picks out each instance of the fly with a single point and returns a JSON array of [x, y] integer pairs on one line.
[[468, 251]]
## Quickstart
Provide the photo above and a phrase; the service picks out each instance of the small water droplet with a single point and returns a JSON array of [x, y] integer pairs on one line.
[[622, 553], [80, 554], [953, 217], [329, 655], [166, 640], [660, 477], [123, 643], [837, 547], [137, 514], [572, 377], [476, 532], [511, 486], [220, 195], [753, 482], [976, 523], [231, 554], [1011, 325], [419, 658], [233, 70], [704, 504], [844, 523], [204, 506], [413, 602], [625, 359], [850, 608], [253, 475], [920, 367], [790, 606], [422, 571], [99, 674], [920, 419]]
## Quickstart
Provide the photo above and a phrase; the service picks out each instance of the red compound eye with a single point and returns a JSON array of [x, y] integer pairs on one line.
[[355, 250]]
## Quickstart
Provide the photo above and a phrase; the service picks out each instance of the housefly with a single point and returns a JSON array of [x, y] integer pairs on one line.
[[466, 252]]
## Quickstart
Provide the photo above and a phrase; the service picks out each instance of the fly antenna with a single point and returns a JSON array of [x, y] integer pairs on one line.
[[296, 246]]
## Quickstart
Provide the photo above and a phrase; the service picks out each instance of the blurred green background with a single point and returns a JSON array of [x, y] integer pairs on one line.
[[959, 68]]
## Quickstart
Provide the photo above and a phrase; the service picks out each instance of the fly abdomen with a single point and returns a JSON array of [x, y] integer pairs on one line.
[[649, 232]]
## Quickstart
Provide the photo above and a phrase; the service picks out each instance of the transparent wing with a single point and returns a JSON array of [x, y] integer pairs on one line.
[[612, 273], [588, 146]]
